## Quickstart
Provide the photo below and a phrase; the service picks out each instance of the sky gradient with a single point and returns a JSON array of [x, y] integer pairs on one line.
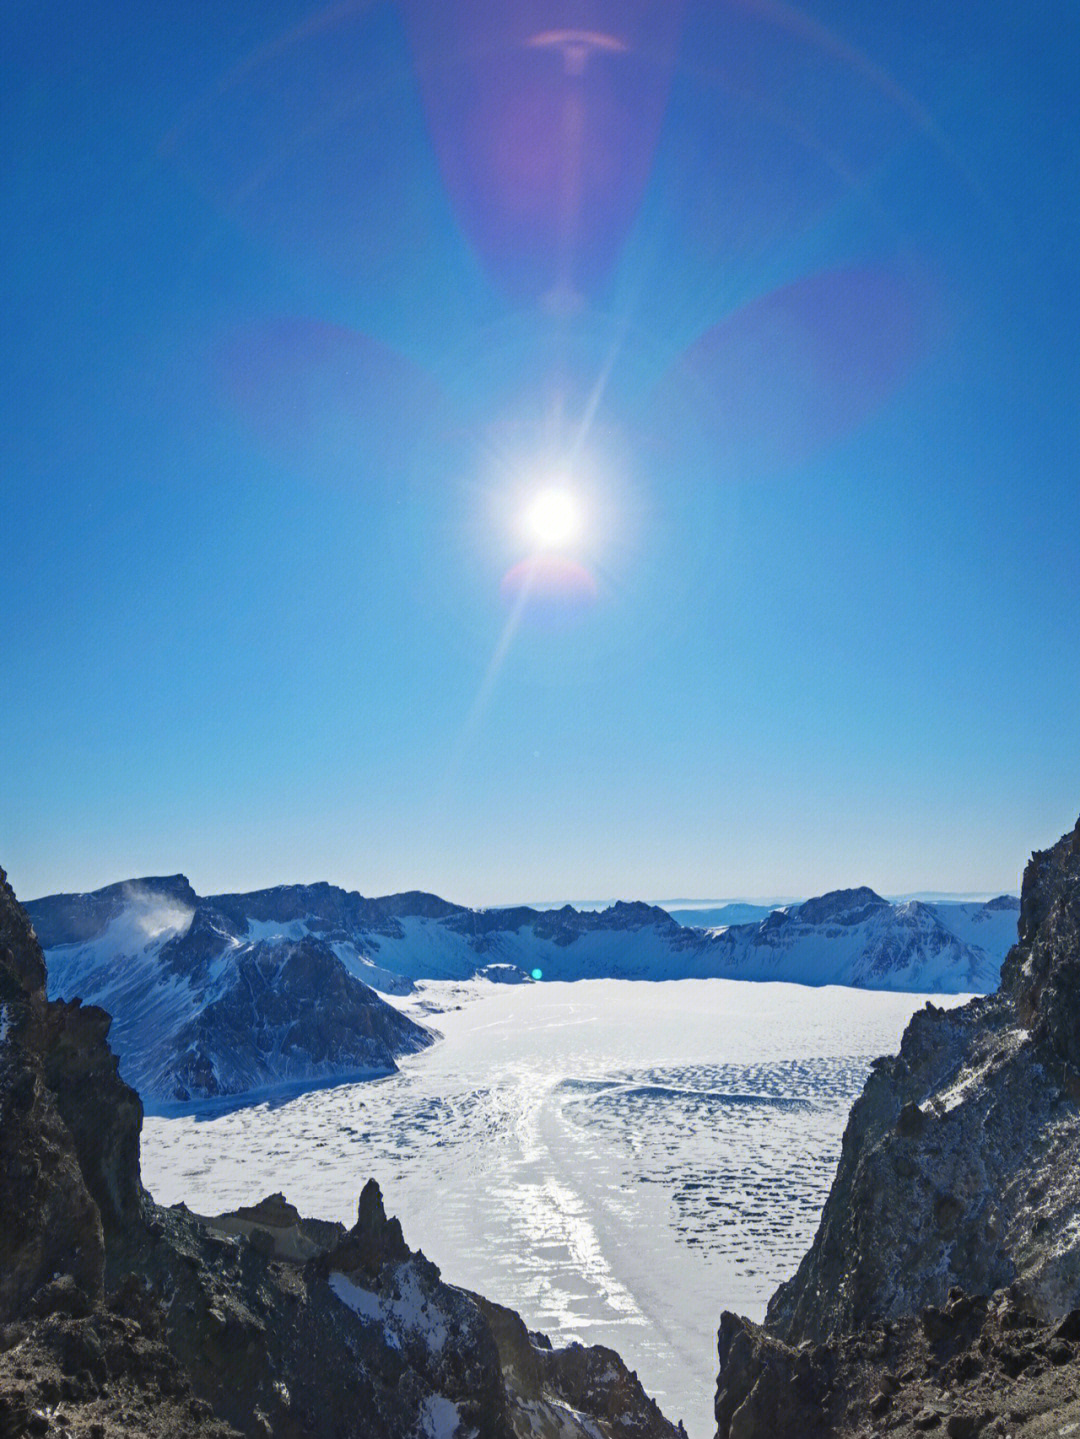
[[305, 305]]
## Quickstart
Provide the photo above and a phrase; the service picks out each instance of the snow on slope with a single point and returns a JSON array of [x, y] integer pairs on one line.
[[850, 937], [201, 1011], [990, 926], [855, 937], [235, 993]]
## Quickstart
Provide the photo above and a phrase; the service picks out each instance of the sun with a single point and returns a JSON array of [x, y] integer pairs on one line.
[[554, 518]]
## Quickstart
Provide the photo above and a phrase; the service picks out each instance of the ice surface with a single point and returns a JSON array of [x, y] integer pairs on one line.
[[617, 1161]]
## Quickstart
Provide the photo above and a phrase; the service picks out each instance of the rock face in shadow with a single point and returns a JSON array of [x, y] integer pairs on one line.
[[973, 1366], [74, 1358], [961, 1160], [118, 1316], [51, 1224], [102, 1113], [549, 1390], [291, 1013], [958, 1186], [1042, 974]]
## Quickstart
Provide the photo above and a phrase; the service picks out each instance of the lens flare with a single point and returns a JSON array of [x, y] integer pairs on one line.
[[549, 591], [800, 367], [545, 132]]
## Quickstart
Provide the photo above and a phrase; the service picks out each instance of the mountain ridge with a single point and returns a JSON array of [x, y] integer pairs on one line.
[[67, 918], [229, 994]]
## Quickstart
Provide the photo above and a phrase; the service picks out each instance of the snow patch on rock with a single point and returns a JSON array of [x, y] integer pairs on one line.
[[407, 1315]]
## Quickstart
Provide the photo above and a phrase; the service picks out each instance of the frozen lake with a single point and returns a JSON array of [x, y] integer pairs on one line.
[[617, 1161]]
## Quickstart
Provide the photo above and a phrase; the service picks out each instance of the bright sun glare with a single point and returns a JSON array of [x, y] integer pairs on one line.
[[554, 518]]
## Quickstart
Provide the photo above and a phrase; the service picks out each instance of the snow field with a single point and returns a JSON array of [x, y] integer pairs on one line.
[[617, 1161]]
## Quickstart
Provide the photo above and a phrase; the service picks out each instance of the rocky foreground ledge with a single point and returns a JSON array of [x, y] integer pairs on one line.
[[119, 1317], [942, 1292]]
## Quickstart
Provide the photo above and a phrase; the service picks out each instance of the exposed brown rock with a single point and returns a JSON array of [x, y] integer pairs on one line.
[[968, 1368]]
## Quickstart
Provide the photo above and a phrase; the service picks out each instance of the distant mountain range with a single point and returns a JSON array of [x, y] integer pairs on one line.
[[235, 993], [734, 912]]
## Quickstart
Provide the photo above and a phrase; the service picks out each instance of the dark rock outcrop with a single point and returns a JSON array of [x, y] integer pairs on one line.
[[299, 1328], [970, 1367], [768, 1387], [960, 1159], [549, 1389], [953, 1221], [51, 1225], [103, 1114], [1042, 974]]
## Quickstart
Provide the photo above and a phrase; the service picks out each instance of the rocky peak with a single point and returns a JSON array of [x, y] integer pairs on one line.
[[1002, 902], [20, 953], [373, 1241], [841, 906], [631, 914], [550, 1388], [1042, 973], [415, 903], [103, 1114], [51, 1226], [65, 1047], [1050, 880], [77, 918]]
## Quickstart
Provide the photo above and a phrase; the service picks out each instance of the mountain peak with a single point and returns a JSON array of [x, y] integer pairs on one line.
[[78, 918], [846, 906], [1003, 901], [416, 903], [901, 1227], [1042, 973]]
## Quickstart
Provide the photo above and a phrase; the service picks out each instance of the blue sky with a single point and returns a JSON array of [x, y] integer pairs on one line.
[[303, 309]]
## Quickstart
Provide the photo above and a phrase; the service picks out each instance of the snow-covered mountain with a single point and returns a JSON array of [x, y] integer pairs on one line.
[[237, 992], [205, 1005], [990, 926], [853, 936]]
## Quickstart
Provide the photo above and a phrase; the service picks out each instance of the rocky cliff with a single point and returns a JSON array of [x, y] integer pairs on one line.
[[118, 1316], [946, 1269]]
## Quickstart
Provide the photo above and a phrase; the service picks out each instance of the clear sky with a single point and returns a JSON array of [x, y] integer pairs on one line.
[[540, 449]]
